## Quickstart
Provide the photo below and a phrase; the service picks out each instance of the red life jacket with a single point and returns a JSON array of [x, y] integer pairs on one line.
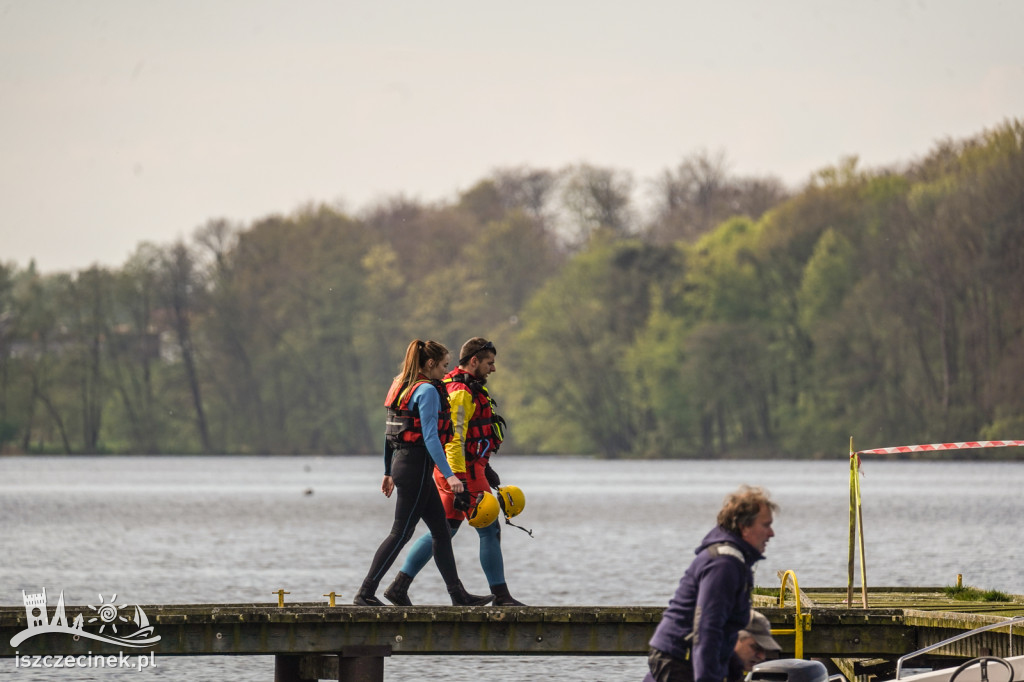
[[403, 425], [486, 429]]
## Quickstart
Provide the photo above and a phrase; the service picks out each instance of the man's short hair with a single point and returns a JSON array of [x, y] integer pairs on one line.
[[742, 508], [474, 347]]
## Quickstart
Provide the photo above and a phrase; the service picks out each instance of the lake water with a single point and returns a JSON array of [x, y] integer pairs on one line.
[[234, 529]]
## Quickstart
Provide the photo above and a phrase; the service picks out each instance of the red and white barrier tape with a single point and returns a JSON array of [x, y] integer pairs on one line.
[[934, 447]]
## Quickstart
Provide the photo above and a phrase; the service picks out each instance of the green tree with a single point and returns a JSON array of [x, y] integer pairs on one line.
[[133, 357], [181, 291], [41, 362], [287, 302], [574, 388]]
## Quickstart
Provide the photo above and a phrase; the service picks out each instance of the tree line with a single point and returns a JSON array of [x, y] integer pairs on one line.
[[727, 317]]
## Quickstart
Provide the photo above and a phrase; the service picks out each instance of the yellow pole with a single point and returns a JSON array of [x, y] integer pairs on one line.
[[863, 560], [853, 524]]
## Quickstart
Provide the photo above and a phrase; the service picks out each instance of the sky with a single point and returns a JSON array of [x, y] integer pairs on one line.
[[131, 121]]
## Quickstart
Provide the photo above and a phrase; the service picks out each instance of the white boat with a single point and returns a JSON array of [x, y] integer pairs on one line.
[[980, 669]]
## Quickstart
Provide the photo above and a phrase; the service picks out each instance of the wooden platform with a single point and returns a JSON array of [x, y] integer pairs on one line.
[[312, 641]]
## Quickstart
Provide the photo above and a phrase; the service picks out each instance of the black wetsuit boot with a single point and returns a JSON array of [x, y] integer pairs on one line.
[[366, 596], [398, 592], [462, 598], [503, 598]]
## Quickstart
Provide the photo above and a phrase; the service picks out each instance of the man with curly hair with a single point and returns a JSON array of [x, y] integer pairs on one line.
[[699, 629]]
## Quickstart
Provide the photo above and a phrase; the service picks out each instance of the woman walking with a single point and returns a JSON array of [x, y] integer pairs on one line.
[[418, 424]]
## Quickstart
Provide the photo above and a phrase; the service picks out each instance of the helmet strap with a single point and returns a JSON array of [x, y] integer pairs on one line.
[[508, 522]]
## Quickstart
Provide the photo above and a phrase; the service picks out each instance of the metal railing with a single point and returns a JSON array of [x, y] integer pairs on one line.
[[963, 635], [801, 623]]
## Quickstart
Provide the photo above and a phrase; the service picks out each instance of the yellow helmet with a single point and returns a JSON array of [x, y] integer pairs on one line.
[[512, 500], [484, 512]]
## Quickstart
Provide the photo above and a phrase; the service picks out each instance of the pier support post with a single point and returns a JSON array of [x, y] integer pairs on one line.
[[287, 669], [362, 663]]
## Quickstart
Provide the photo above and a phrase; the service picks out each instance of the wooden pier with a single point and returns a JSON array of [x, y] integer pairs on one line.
[[318, 641]]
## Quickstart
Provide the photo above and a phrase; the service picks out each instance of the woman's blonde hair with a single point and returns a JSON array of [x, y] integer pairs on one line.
[[416, 356]]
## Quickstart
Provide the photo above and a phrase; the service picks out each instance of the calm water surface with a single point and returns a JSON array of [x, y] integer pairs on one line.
[[234, 529]]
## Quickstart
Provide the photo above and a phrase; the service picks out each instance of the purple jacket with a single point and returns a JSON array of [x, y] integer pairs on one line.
[[710, 606]]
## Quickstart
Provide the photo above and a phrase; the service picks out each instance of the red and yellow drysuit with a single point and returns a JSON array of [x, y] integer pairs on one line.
[[476, 434]]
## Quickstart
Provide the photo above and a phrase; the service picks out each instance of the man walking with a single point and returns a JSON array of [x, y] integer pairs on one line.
[[698, 631], [478, 431]]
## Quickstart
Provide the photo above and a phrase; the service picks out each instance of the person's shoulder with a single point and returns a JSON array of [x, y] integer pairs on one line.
[[727, 549], [723, 550], [457, 385], [460, 397], [456, 379], [426, 390]]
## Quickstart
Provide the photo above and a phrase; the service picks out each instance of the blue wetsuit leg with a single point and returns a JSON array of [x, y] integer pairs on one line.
[[490, 553], [420, 554]]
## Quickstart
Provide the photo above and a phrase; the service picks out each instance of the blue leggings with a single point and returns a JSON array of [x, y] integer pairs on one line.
[[490, 552]]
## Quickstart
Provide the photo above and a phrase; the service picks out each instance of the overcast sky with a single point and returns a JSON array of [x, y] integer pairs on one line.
[[124, 121]]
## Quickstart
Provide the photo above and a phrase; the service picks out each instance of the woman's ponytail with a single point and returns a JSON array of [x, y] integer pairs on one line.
[[416, 356]]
